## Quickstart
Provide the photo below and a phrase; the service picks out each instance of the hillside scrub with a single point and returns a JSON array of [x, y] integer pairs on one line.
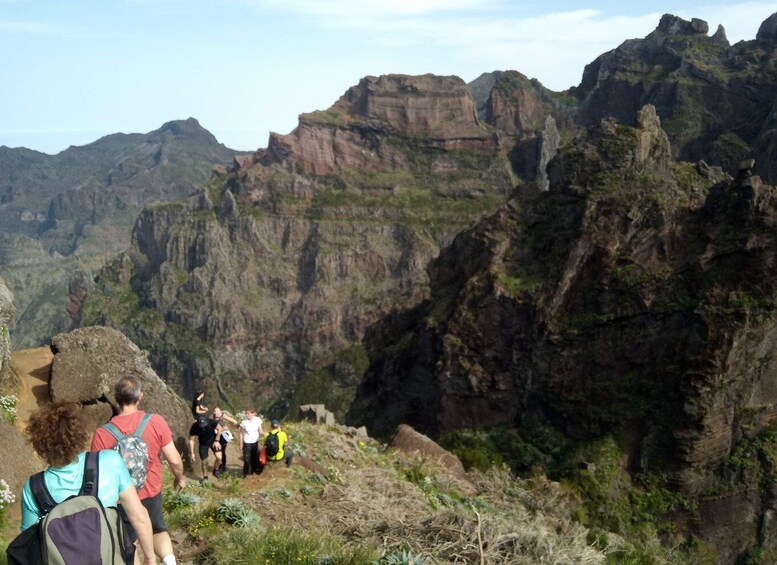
[[355, 501]]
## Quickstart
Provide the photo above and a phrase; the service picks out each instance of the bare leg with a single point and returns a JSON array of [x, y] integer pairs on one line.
[[162, 545]]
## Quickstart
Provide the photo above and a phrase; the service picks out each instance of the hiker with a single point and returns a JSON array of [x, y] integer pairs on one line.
[[58, 434], [206, 430], [159, 438], [226, 434], [197, 407], [250, 432], [274, 442]]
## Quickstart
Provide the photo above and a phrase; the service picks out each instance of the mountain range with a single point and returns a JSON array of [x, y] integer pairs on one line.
[[68, 213], [589, 270]]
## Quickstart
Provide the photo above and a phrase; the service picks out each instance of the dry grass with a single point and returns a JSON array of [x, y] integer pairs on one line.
[[393, 501]]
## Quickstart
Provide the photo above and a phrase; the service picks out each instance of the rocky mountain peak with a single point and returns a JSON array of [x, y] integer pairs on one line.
[[188, 126], [412, 105], [674, 25], [406, 108], [767, 33]]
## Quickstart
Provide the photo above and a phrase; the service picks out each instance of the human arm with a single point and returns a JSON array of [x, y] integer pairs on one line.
[[216, 444], [229, 419], [242, 432], [138, 517], [174, 462], [30, 511]]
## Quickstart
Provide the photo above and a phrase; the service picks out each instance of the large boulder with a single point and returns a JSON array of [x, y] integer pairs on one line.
[[88, 361], [21, 462], [410, 441]]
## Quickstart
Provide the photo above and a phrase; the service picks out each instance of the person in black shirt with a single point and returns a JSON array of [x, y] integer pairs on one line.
[[206, 430]]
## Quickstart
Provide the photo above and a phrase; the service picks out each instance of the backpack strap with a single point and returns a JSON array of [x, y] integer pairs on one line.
[[91, 474], [113, 430], [116, 432], [41, 494], [142, 425]]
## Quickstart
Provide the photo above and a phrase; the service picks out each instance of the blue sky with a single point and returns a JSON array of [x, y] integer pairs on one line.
[[72, 71]]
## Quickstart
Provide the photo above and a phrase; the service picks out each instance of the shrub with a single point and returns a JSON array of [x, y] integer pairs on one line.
[[8, 406], [233, 511], [6, 498]]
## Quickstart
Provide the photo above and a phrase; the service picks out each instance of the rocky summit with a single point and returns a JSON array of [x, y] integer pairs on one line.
[[715, 100]]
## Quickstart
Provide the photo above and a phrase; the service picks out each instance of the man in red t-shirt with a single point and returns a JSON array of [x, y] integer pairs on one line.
[[159, 438]]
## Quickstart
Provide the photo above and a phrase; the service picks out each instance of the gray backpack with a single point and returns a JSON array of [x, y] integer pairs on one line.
[[77, 531]]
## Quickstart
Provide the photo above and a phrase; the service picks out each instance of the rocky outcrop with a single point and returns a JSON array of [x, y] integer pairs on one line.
[[436, 109], [713, 99], [88, 362], [317, 414], [6, 320], [17, 469], [410, 441], [767, 32], [636, 296], [266, 275]]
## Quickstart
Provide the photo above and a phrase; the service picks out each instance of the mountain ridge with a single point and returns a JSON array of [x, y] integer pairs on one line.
[[73, 210]]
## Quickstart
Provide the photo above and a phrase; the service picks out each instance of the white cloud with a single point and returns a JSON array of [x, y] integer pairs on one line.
[[553, 47], [352, 10], [34, 28]]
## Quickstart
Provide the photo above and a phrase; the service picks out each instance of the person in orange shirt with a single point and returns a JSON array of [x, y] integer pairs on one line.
[[159, 438]]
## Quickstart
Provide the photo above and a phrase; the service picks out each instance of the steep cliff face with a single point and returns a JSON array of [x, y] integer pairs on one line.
[[531, 118], [351, 134], [716, 101], [268, 272], [636, 297], [61, 213], [7, 313]]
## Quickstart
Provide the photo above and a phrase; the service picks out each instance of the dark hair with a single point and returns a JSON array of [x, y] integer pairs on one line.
[[57, 433], [127, 390]]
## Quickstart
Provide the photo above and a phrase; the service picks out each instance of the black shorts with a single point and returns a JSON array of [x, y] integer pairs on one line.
[[204, 451], [154, 507]]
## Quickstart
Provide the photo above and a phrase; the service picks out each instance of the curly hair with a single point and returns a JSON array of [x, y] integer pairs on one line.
[[57, 433]]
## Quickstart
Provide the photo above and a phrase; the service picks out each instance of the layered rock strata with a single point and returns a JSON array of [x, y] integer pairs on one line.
[[269, 271]]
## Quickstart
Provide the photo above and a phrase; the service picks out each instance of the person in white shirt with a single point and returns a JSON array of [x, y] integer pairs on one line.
[[250, 432]]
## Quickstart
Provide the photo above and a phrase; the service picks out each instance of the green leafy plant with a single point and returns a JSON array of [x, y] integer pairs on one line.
[[8, 407], [233, 511]]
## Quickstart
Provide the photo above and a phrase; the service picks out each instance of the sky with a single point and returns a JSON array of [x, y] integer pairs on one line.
[[72, 71]]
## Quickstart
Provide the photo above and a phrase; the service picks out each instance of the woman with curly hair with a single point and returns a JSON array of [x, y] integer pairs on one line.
[[58, 435]]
